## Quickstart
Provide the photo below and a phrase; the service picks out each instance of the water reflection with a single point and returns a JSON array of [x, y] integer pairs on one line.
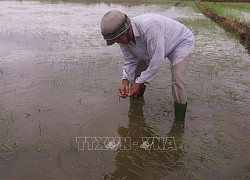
[[150, 159]]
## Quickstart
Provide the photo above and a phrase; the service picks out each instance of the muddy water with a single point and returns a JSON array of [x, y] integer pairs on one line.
[[59, 81]]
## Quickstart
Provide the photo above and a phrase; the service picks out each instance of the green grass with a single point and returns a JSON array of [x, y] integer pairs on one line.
[[231, 10], [240, 6]]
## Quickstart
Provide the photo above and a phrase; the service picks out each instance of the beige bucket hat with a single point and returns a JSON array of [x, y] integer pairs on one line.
[[113, 24]]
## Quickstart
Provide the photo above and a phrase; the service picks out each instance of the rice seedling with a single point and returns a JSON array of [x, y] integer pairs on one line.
[[9, 147], [41, 147]]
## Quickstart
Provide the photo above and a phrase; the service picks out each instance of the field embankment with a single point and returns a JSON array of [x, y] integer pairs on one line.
[[240, 28], [227, 0]]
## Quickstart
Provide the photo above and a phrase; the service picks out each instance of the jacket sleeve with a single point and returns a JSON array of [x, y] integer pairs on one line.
[[154, 41], [130, 63]]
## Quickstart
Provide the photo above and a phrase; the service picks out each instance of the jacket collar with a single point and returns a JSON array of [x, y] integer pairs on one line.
[[135, 30]]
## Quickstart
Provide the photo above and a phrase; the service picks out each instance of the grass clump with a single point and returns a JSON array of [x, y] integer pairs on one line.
[[8, 147]]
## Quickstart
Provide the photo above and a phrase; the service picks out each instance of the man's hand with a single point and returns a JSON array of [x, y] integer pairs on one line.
[[135, 89], [124, 89]]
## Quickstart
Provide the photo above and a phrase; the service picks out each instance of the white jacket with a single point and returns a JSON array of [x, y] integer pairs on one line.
[[156, 37]]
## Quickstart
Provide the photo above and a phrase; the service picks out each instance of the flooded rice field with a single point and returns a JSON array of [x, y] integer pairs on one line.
[[59, 100]]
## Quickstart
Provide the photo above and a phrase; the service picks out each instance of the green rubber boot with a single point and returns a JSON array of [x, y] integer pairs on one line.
[[180, 111]]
